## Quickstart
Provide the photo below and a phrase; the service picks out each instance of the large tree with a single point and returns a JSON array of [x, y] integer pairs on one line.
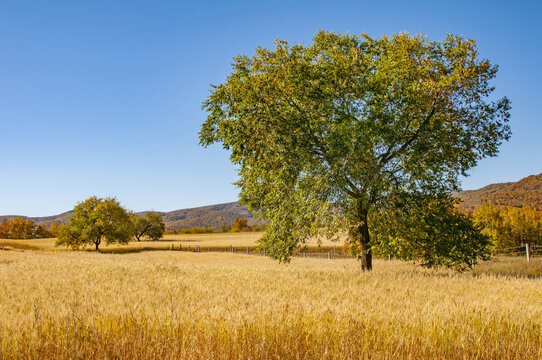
[[332, 136], [95, 220]]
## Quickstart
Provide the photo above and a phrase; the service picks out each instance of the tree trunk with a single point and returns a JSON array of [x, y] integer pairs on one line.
[[366, 254], [97, 242]]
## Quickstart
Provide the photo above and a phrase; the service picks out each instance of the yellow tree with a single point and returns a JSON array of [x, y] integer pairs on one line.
[[239, 225], [17, 228], [29, 229], [522, 226], [4, 229], [488, 216], [509, 227], [53, 228]]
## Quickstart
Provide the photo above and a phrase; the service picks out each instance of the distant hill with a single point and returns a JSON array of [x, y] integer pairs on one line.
[[526, 192], [45, 220], [205, 216]]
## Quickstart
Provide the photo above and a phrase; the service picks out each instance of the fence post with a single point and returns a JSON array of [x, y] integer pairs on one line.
[[263, 252], [329, 255], [528, 252], [334, 249], [197, 247], [231, 248], [304, 254], [248, 250], [172, 246], [189, 248]]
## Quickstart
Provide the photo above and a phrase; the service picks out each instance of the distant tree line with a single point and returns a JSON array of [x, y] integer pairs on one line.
[[239, 225], [509, 227], [19, 228], [98, 220], [196, 230]]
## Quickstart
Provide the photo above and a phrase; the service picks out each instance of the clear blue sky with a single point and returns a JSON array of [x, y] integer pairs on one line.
[[104, 97]]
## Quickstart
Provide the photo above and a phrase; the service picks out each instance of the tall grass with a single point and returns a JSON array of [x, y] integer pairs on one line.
[[216, 241], [516, 266], [171, 305]]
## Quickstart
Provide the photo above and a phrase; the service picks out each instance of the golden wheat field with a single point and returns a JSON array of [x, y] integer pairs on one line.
[[213, 241], [180, 305]]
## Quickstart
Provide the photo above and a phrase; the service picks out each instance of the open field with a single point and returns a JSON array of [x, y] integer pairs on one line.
[[171, 304], [214, 241]]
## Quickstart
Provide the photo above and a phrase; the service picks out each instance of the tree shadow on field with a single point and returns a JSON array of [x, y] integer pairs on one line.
[[128, 250], [13, 245]]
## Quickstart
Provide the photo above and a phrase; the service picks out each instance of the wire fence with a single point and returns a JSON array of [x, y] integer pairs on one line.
[[527, 250], [330, 252], [323, 252]]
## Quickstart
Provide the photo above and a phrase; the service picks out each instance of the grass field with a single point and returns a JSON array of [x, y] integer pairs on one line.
[[214, 241], [171, 305]]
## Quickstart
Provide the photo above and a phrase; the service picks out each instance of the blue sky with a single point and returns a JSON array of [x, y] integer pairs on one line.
[[104, 97]]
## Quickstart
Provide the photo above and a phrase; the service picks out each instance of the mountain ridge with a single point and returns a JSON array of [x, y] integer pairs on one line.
[[526, 192], [203, 216]]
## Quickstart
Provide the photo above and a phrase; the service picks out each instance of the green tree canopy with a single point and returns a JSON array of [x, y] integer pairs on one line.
[[332, 135], [95, 220], [151, 225]]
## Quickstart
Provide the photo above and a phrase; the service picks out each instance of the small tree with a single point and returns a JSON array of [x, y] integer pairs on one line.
[[239, 225], [151, 225], [18, 228], [42, 232], [95, 220], [53, 228], [4, 229], [30, 229]]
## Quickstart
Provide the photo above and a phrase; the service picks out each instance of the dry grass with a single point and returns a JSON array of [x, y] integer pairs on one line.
[[34, 244], [215, 241], [516, 266], [83, 305]]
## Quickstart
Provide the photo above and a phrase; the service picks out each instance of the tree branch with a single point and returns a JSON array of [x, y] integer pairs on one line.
[[388, 155]]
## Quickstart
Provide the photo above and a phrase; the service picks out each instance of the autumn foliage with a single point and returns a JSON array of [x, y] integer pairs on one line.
[[508, 226], [19, 228]]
